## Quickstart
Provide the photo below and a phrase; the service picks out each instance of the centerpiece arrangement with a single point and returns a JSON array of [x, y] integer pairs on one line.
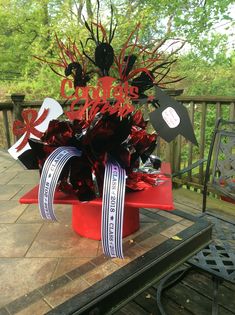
[[101, 145]]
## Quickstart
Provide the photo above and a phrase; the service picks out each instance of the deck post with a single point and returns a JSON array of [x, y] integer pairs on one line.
[[18, 100]]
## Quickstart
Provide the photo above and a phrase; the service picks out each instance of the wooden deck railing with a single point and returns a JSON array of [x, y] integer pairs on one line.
[[203, 112]]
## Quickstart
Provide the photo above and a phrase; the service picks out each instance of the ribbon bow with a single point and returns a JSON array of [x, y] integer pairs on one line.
[[31, 120]]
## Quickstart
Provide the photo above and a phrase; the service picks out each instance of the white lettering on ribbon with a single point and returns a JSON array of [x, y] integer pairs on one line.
[[113, 209], [51, 171], [171, 117]]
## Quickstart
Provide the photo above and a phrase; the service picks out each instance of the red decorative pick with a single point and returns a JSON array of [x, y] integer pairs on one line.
[[31, 120]]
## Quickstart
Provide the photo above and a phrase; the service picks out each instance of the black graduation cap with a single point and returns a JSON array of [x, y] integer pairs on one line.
[[29, 160], [171, 118]]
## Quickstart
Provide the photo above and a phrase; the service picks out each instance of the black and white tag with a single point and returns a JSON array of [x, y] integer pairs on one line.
[[171, 117], [113, 209], [50, 174]]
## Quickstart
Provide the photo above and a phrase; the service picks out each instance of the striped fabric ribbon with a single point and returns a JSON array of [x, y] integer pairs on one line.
[[50, 175], [113, 209], [113, 197]]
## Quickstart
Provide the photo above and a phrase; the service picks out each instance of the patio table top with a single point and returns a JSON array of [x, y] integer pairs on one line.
[[45, 264]]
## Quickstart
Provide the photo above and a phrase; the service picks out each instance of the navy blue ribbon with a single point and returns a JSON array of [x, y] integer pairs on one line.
[[113, 209], [113, 197]]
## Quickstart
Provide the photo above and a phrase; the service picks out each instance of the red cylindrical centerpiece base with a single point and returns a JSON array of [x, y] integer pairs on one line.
[[86, 220]]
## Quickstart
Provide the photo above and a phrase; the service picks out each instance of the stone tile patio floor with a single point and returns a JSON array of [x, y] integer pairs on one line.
[[39, 260]]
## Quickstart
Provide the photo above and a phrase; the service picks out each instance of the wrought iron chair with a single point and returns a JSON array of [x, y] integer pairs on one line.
[[218, 258], [222, 172], [220, 169]]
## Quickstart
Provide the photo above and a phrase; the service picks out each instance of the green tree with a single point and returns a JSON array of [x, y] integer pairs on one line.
[[28, 28], [211, 75]]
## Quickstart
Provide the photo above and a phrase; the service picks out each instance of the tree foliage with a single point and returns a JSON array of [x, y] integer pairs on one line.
[[208, 71], [28, 28]]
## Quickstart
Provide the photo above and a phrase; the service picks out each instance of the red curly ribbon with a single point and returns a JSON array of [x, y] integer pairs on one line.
[[31, 120]]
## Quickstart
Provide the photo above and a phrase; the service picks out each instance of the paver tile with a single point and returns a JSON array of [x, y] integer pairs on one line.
[[24, 188], [19, 276], [153, 241], [66, 265], [16, 238], [100, 272], [3, 311], [186, 222], [134, 252], [64, 293], [8, 164], [23, 301], [54, 285], [173, 230], [8, 191], [170, 215], [145, 219], [32, 214], [7, 176], [10, 211], [59, 240], [143, 227], [37, 308], [26, 177], [81, 270]]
